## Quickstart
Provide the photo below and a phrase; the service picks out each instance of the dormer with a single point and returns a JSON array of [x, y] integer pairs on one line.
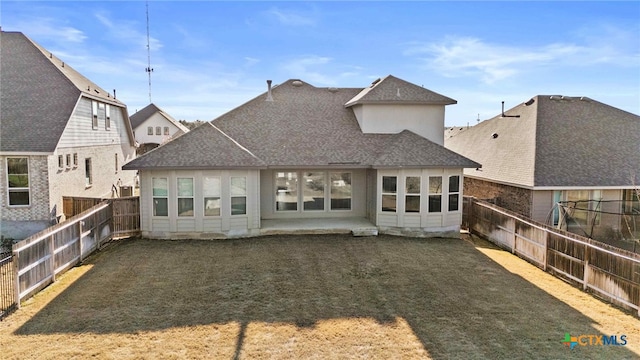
[[391, 105]]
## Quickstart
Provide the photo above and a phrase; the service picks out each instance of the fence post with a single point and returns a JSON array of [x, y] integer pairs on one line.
[[80, 239], [52, 267], [586, 268], [16, 276]]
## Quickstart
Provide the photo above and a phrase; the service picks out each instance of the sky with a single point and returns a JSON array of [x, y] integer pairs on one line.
[[209, 57]]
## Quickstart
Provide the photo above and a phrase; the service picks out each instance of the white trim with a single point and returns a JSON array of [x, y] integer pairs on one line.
[[6, 170]]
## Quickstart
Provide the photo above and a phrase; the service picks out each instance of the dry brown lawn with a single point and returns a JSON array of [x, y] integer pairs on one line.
[[324, 296]]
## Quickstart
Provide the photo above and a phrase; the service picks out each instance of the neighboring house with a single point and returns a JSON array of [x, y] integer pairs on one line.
[[557, 149], [301, 152], [61, 135], [152, 127]]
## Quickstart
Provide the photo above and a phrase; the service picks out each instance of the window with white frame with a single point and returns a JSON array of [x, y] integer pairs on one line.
[[454, 193], [238, 195], [286, 191], [185, 196], [166, 130], [435, 194], [158, 130], [18, 181], [389, 193], [88, 172], [340, 190], [160, 194], [94, 115], [116, 161], [107, 117], [60, 162], [211, 191], [412, 194], [583, 206], [149, 130], [75, 159], [68, 160], [313, 190]]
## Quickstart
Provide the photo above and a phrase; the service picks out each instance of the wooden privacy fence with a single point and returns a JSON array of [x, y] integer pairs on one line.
[[40, 258], [72, 206], [607, 271]]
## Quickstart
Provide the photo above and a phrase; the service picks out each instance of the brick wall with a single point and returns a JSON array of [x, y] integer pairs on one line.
[[513, 198], [38, 188]]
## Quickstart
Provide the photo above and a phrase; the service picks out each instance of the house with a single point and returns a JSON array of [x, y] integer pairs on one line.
[[152, 127], [300, 154], [60, 135], [557, 149]]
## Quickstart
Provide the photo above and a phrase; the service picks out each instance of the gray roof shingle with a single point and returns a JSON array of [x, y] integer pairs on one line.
[[39, 93], [557, 142], [307, 126], [390, 89]]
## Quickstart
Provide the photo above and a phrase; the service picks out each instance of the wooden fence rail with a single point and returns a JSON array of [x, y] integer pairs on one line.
[[607, 271], [40, 258]]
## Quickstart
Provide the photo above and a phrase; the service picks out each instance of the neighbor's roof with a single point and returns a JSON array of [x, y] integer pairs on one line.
[[304, 126], [390, 89], [556, 142], [39, 93], [148, 111]]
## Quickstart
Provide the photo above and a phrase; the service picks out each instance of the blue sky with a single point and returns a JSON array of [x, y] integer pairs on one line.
[[212, 56]]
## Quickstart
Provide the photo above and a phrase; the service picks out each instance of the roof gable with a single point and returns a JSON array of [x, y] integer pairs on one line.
[[391, 89], [148, 111]]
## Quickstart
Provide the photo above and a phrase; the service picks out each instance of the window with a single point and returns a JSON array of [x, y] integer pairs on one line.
[[166, 130], [389, 191], [286, 191], [107, 119], [60, 162], [88, 176], [238, 195], [341, 191], [412, 194], [150, 130], [94, 115], [75, 159], [68, 160], [160, 196], [185, 197], [18, 178], [116, 160], [211, 191], [584, 203], [313, 190], [454, 193], [158, 130], [435, 194]]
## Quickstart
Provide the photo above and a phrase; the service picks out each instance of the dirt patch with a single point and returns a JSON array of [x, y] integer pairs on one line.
[[322, 296]]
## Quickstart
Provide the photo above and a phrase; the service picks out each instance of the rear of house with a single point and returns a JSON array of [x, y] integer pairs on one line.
[[298, 152]]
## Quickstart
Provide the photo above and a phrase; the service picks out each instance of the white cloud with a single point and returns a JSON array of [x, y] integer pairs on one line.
[[291, 18]]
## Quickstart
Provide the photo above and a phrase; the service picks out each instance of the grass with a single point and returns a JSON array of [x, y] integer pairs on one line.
[[324, 296]]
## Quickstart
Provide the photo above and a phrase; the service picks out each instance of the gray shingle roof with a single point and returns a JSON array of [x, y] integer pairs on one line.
[[556, 142], [39, 93], [307, 126], [390, 89]]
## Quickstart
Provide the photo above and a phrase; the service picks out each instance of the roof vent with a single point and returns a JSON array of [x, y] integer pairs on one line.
[[530, 102], [333, 89], [398, 93], [504, 116], [375, 82], [555, 97], [494, 135], [269, 97], [296, 83], [584, 98]]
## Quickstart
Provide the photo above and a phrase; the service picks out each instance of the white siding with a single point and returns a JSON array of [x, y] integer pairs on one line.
[[156, 120], [424, 120]]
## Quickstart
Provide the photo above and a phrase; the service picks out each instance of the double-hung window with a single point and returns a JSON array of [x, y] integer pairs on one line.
[[412, 194], [211, 191], [238, 195], [18, 179], [454, 193], [94, 115], [88, 172], [340, 191], [160, 196], [435, 194], [185, 196], [107, 118], [389, 193], [158, 130]]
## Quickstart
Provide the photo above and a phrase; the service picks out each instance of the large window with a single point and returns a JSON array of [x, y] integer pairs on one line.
[[389, 193], [412, 194], [313, 190], [582, 204], [454, 193], [341, 191], [160, 197], [18, 178], [238, 195], [185, 197], [435, 194], [211, 192], [286, 191]]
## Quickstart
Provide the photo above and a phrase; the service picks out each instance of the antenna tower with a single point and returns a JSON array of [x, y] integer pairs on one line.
[[149, 69]]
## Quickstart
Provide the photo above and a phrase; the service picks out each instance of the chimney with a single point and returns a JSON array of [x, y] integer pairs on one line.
[[269, 97]]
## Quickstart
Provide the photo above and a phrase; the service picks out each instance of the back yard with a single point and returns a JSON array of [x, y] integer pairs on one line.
[[323, 296]]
